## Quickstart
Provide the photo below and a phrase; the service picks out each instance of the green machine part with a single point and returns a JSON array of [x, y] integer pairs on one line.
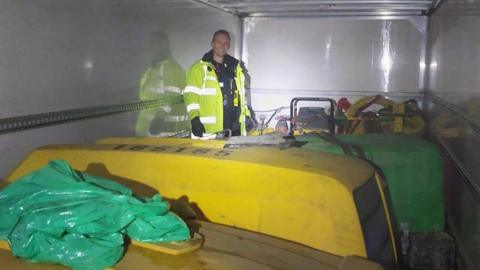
[[411, 166]]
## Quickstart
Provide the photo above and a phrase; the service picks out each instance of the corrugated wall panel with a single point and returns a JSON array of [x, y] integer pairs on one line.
[[331, 57]]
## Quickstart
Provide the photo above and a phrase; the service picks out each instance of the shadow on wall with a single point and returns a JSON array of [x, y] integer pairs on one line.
[[181, 206], [164, 78]]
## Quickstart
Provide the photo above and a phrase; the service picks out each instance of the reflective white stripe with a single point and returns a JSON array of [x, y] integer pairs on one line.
[[211, 78], [175, 118], [174, 89], [208, 92], [157, 90], [160, 134], [172, 118], [193, 106], [192, 89], [208, 119], [206, 136], [167, 108], [164, 134], [201, 92]]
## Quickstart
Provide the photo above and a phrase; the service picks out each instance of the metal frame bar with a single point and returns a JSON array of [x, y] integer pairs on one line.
[[218, 7], [342, 8], [384, 15], [320, 2], [349, 6], [424, 58], [350, 17], [353, 7], [435, 7], [14, 124], [335, 92], [242, 38], [335, 8]]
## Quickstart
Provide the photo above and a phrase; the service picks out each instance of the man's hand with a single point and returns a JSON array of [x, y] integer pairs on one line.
[[249, 123], [197, 127]]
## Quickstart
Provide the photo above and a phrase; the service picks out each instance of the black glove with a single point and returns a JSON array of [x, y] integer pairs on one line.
[[197, 127], [249, 123]]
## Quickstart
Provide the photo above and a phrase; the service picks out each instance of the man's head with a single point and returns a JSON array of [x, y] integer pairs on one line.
[[220, 44]]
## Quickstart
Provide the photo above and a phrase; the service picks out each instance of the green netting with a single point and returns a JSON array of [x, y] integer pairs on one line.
[[58, 215]]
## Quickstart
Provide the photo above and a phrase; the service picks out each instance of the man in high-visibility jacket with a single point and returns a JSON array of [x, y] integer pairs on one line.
[[165, 78], [215, 91]]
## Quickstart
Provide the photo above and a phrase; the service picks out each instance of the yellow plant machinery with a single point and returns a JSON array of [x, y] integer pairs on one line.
[[327, 202]]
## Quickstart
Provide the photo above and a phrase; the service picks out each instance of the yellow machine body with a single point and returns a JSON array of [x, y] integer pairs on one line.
[[400, 124], [295, 194]]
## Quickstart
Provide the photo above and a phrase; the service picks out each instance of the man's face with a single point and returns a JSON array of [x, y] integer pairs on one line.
[[220, 45]]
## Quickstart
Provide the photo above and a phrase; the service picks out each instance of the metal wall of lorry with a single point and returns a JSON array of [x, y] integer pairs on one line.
[[332, 57], [57, 55], [454, 109]]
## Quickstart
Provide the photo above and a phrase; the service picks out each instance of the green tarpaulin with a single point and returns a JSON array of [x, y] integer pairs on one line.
[[58, 215]]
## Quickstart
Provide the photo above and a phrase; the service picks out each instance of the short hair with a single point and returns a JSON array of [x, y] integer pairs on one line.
[[221, 32]]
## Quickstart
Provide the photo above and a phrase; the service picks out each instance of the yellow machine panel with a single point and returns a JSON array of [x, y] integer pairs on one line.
[[295, 194]]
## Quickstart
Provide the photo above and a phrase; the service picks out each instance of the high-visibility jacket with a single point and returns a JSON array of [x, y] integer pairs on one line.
[[164, 79], [203, 96]]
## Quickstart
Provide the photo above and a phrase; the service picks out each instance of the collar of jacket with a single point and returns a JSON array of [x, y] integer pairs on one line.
[[228, 59]]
